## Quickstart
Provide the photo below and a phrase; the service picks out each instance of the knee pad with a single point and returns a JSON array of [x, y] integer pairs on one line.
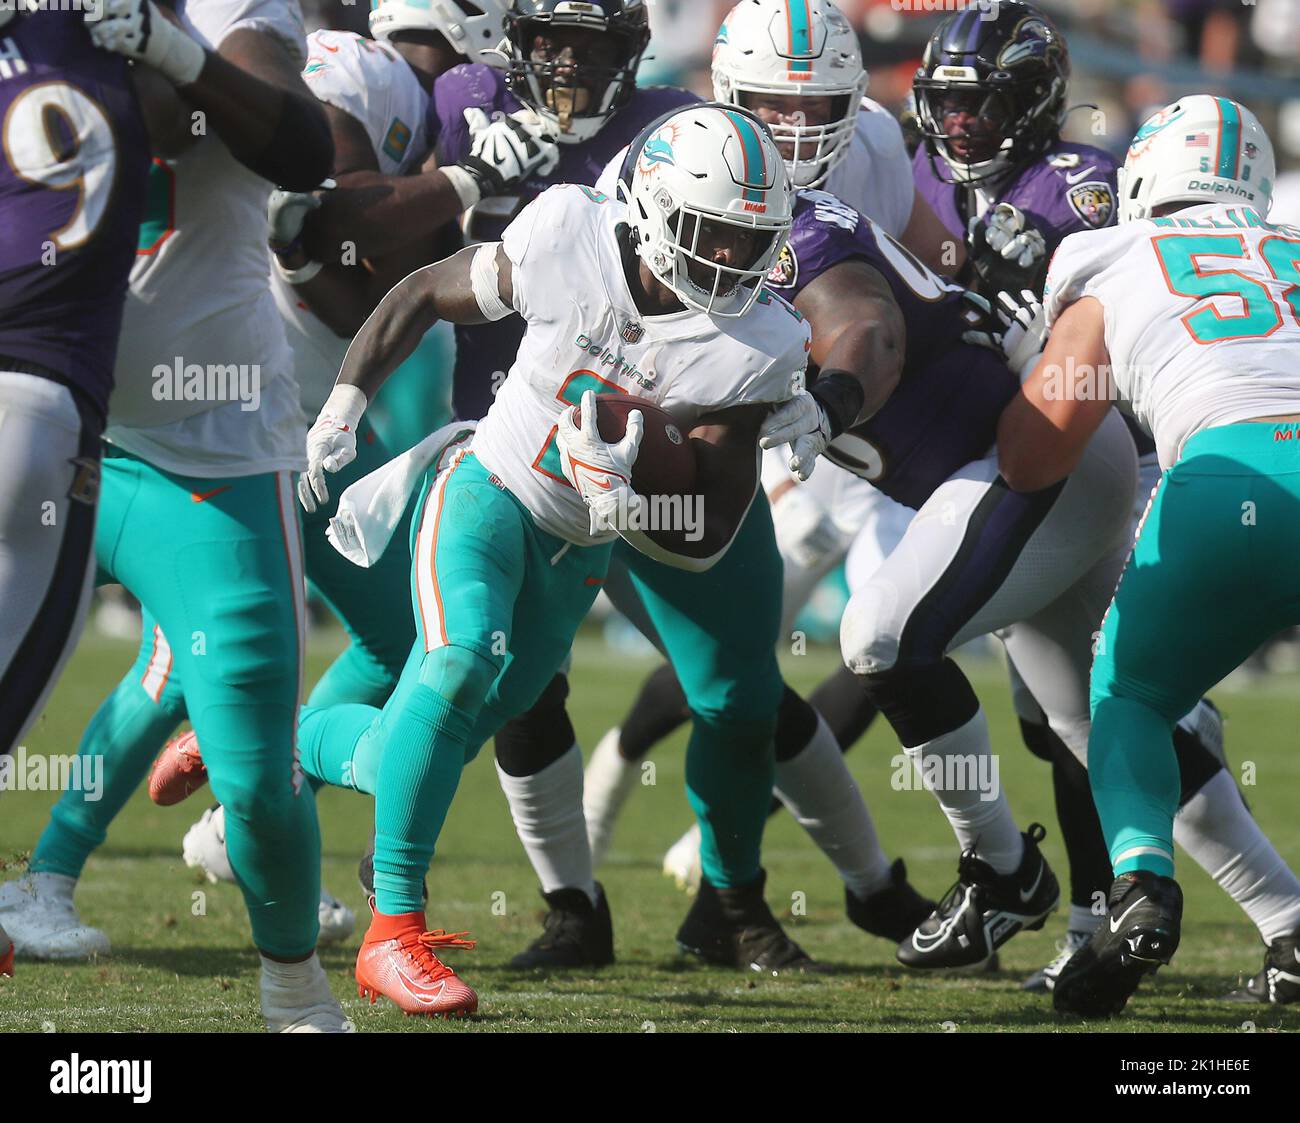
[[870, 631], [533, 740], [459, 675], [923, 702]]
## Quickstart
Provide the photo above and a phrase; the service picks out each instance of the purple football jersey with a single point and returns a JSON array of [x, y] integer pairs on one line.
[[1071, 187], [483, 351], [945, 410], [70, 121]]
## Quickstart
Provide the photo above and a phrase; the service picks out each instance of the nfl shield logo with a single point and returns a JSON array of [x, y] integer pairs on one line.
[[632, 332]]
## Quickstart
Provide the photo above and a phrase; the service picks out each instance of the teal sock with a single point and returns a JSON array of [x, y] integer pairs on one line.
[[426, 748], [730, 770], [126, 734], [333, 749], [1135, 783]]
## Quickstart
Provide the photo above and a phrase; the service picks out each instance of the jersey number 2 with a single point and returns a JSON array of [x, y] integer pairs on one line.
[[570, 393]]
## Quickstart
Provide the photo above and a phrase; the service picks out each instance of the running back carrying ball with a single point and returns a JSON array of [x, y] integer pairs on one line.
[[665, 462]]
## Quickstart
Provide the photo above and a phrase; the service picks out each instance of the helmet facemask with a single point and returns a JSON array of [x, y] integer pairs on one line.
[[575, 74]]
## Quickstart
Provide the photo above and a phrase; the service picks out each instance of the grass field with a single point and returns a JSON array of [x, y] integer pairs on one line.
[[173, 970]]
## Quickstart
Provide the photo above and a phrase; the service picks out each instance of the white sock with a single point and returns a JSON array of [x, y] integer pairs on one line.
[[608, 782], [1215, 828], [1083, 919], [954, 767], [547, 810], [820, 792], [56, 886], [292, 974]]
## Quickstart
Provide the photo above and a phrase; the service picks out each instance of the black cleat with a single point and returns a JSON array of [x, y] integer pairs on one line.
[[892, 912], [576, 933], [1278, 984], [735, 928], [1044, 979], [983, 910], [1140, 934], [366, 872]]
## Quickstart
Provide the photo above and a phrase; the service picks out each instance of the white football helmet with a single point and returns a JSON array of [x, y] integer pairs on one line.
[[702, 168], [1201, 149], [474, 29], [801, 47]]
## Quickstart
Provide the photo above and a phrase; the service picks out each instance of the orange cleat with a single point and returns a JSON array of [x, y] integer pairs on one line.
[[178, 772], [397, 960]]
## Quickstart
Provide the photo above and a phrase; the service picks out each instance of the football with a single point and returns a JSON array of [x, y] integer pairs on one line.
[[665, 462]]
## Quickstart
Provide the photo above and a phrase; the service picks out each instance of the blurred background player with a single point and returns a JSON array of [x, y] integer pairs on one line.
[[64, 261], [197, 514], [1205, 357]]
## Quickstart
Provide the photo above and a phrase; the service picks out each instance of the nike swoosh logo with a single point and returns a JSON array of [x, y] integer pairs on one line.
[[1114, 924], [332, 50], [202, 496], [1078, 177], [345, 428], [604, 485], [1025, 894]]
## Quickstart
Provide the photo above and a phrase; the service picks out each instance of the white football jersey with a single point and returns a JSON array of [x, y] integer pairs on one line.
[[368, 80], [875, 176], [200, 300], [1202, 319], [585, 332]]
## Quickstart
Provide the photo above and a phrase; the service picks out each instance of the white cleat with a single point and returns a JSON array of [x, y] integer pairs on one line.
[[606, 784], [296, 998], [204, 848], [336, 920], [682, 862], [38, 913]]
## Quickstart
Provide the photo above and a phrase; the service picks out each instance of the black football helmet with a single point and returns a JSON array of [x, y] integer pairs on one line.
[[990, 94], [574, 61]]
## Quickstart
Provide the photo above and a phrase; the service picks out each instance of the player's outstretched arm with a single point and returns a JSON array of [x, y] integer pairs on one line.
[[931, 241], [1045, 428], [249, 89], [859, 341], [474, 286]]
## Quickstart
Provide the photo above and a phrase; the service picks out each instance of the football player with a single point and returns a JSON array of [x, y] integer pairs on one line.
[[798, 66], [513, 537], [63, 270], [1186, 313], [70, 119], [197, 507], [376, 96]]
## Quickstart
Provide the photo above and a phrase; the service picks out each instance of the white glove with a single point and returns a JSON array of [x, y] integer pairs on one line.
[[506, 151], [139, 31], [805, 531], [1006, 234], [1026, 333], [601, 472], [803, 425], [331, 443], [286, 214]]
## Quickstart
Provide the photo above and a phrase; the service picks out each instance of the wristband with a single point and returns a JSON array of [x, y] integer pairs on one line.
[[346, 403], [181, 59], [841, 396]]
